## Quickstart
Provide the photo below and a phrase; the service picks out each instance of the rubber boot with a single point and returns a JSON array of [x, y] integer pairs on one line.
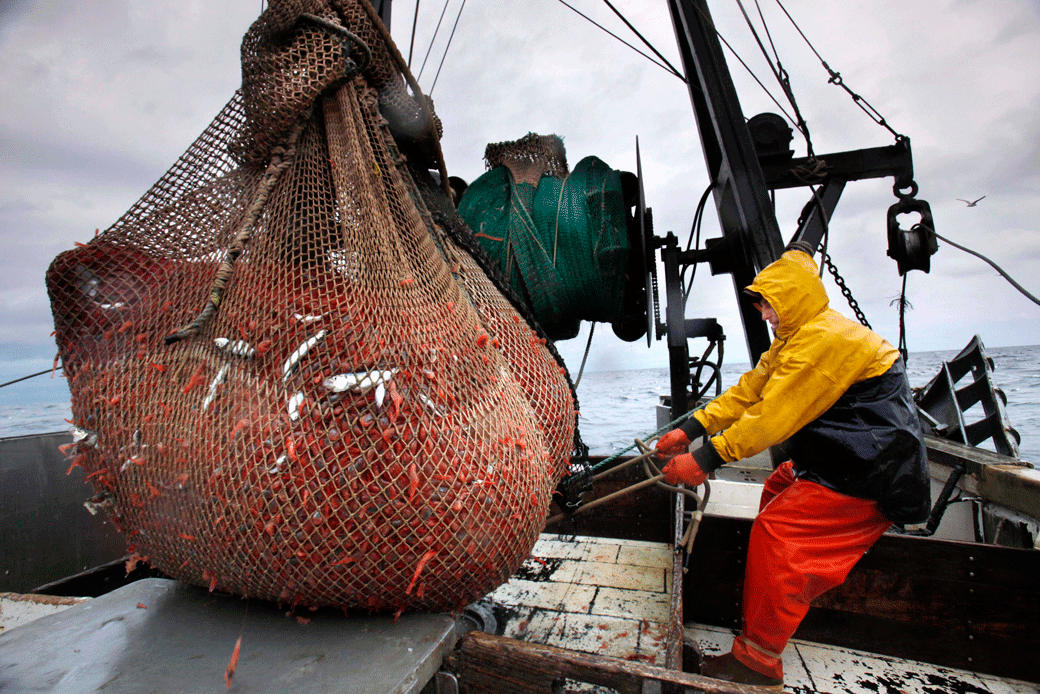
[[728, 669]]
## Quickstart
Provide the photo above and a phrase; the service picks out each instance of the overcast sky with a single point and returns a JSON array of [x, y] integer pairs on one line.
[[100, 98]]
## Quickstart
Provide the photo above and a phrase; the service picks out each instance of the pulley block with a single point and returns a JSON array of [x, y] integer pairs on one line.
[[911, 248]]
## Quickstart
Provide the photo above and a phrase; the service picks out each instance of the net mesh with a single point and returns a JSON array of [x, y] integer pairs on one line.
[[360, 416]]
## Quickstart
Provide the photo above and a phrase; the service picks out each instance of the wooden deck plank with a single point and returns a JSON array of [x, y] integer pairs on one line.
[[601, 596]]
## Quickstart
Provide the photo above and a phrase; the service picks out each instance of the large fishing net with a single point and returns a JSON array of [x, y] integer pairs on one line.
[[291, 376]]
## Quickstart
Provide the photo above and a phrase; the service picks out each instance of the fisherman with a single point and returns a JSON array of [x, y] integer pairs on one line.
[[835, 394]]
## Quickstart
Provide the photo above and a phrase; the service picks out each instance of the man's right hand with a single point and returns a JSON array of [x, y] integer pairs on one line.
[[672, 444], [685, 468]]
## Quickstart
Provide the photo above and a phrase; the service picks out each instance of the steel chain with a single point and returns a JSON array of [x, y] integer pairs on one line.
[[846, 292]]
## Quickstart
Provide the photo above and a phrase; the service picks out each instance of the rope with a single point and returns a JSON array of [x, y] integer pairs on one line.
[[588, 346], [423, 102], [343, 31], [657, 432], [281, 159], [26, 378], [903, 304], [996, 267]]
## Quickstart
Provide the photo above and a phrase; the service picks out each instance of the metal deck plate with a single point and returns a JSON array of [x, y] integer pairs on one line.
[[158, 635]]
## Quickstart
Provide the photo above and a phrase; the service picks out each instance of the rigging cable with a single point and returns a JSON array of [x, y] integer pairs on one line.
[[453, 28], [411, 43], [778, 71], [835, 78], [641, 38], [600, 26], [755, 77], [432, 39]]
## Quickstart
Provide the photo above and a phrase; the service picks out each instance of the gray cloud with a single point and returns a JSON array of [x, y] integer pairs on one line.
[[101, 98]]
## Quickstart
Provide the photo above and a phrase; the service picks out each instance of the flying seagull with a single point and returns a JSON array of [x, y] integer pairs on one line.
[[970, 203]]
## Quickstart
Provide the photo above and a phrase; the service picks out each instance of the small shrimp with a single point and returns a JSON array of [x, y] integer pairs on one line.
[[430, 554], [396, 399], [232, 665], [242, 424], [196, 378], [413, 481]]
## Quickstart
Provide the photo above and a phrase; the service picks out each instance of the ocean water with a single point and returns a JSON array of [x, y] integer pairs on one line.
[[619, 406]]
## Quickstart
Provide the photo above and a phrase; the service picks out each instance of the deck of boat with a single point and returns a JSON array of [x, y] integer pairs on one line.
[[601, 596], [606, 596]]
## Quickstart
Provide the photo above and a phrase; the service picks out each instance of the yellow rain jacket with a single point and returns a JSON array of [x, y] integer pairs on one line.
[[832, 388]]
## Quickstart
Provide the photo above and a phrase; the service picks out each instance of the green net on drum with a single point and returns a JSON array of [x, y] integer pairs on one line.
[[559, 237], [292, 377]]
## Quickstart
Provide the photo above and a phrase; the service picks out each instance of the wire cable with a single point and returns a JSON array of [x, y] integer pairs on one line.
[[453, 28], [641, 38], [585, 358], [603, 28], [755, 77], [835, 78], [411, 43], [778, 72], [432, 40]]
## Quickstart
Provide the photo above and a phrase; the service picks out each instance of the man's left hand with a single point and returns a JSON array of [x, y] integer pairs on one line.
[[692, 468]]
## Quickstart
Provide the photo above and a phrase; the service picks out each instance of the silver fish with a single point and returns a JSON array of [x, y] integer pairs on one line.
[[428, 401], [239, 348], [361, 381], [217, 380], [85, 437], [294, 406], [279, 465], [297, 355]]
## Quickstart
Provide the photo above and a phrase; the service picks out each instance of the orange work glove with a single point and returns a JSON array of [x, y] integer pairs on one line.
[[692, 468], [672, 444], [684, 468]]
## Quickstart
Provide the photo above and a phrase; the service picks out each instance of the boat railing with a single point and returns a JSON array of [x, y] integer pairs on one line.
[[944, 406]]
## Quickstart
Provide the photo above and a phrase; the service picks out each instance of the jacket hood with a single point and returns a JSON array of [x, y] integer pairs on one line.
[[793, 288]]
